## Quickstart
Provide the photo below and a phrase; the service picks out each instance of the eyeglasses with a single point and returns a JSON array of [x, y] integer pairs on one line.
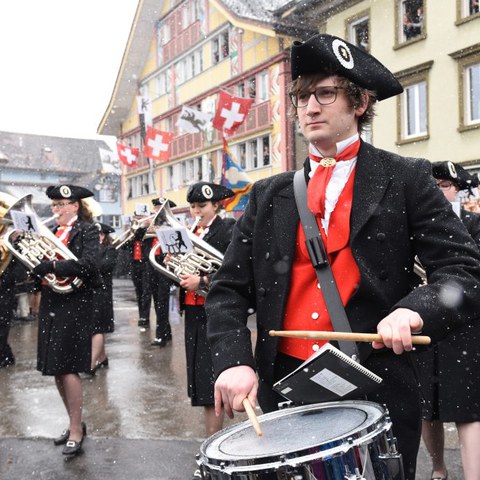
[[53, 206], [445, 185], [323, 95]]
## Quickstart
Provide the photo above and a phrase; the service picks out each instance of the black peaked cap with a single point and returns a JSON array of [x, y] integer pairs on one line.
[[159, 201], [68, 192], [104, 228], [325, 53], [203, 191], [455, 173]]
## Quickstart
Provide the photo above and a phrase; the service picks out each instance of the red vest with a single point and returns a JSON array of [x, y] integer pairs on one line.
[[305, 309]]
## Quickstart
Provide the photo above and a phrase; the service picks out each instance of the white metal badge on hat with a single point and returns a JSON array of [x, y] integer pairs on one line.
[[65, 191], [452, 169], [343, 54], [207, 191]]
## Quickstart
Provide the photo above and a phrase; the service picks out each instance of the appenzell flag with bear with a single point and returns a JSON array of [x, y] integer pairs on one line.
[[236, 179]]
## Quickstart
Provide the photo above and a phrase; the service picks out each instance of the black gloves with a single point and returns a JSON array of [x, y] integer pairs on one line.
[[43, 268]]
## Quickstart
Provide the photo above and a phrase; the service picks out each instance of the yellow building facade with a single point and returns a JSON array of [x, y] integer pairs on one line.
[[196, 49], [433, 47]]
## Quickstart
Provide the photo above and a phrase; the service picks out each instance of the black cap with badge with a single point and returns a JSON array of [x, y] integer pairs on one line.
[[68, 192], [104, 228], [455, 173], [159, 201], [203, 192], [328, 54]]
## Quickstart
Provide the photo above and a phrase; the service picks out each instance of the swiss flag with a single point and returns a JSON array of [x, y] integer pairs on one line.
[[157, 144], [127, 155], [231, 112]]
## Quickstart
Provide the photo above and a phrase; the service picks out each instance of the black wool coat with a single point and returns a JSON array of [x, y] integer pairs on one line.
[[451, 365], [397, 213], [65, 320]]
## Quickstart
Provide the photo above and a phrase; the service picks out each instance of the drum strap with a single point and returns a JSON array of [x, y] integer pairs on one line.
[[318, 256]]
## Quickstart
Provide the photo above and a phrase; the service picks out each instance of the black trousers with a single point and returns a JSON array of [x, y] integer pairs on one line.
[[142, 288], [399, 393], [160, 287]]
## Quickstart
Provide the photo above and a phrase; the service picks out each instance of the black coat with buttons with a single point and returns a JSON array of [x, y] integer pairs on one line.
[[397, 213]]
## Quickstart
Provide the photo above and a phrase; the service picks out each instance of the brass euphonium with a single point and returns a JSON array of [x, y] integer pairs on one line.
[[31, 248], [128, 235], [203, 259]]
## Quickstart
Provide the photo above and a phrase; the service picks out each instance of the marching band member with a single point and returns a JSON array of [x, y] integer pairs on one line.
[[204, 203], [103, 318], [377, 210], [160, 287], [65, 320], [452, 364]]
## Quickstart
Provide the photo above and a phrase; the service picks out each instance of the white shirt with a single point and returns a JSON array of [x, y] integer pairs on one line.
[[341, 174]]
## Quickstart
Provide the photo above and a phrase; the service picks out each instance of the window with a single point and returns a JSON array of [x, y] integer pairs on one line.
[[220, 47], [263, 92], [472, 94], [266, 151], [252, 88], [253, 153], [411, 20], [469, 86], [414, 110], [358, 32], [140, 185], [162, 84], [468, 8], [240, 89], [189, 66], [115, 221]]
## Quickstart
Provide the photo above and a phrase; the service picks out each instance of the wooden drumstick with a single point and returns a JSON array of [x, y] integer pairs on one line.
[[252, 417], [342, 336]]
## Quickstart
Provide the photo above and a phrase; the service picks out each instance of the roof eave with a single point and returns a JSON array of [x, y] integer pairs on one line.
[[133, 60]]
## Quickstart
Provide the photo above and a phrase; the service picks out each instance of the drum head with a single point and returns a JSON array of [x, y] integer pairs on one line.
[[292, 431]]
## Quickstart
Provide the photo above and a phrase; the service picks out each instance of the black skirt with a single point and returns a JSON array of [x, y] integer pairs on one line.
[[103, 321], [200, 376], [64, 332], [449, 377]]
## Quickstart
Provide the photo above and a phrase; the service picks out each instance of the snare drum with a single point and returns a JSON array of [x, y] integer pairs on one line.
[[328, 441]]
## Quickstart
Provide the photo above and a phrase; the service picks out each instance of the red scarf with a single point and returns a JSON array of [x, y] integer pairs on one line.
[[317, 186]]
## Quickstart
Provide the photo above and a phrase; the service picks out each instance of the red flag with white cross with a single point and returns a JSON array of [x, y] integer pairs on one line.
[[127, 155], [231, 112], [157, 144]]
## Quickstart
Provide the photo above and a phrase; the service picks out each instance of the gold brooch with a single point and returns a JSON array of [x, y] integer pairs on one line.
[[328, 162]]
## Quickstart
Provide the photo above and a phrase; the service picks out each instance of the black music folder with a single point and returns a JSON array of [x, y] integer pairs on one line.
[[328, 375]]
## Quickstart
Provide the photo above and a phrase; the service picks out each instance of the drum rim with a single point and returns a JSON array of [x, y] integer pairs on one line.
[[266, 462]]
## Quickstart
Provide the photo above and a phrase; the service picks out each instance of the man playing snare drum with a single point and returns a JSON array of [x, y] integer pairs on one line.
[[377, 212]]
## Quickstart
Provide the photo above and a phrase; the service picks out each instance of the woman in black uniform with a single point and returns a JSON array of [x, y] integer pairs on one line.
[[103, 321], [65, 320], [449, 371], [211, 228]]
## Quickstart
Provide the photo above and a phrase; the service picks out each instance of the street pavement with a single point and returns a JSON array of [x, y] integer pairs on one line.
[[139, 420]]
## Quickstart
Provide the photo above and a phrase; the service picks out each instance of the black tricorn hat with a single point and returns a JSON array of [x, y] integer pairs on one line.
[[104, 228], [455, 173], [328, 54], [69, 192], [159, 201], [203, 191]]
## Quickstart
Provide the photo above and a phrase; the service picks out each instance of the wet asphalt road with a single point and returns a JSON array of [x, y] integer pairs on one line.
[[139, 419]]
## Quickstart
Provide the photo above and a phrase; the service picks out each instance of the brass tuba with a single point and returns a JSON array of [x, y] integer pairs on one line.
[[202, 259], [31, 248], [6, 202]]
